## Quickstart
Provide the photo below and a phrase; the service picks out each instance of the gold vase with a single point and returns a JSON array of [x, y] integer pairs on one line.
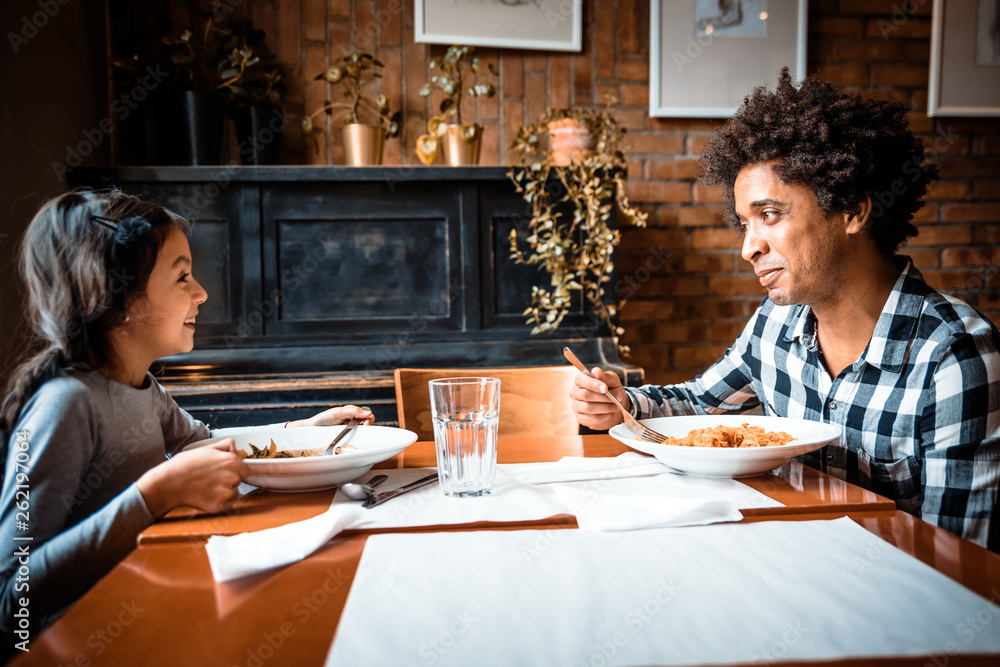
[[461, 147], [362, 144]]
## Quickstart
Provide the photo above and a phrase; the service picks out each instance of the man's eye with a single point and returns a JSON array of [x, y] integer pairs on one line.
[[184, 277], [768, 214]]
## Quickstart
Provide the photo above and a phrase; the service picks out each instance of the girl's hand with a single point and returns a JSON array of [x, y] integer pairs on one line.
[[592, 407], [206, 478], [335, 416]]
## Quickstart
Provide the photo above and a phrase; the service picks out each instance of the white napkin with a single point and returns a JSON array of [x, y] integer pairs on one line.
[[235, 556], [615, 493], [576, 468], [614, 511]]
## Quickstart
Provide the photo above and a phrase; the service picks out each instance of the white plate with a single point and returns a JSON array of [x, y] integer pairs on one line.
[[729, 461], [312, 473]]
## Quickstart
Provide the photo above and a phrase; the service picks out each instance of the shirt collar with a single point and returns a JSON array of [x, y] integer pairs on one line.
[[887, 348]]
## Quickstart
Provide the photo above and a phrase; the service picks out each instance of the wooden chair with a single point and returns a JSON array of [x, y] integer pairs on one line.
[[534, 401]]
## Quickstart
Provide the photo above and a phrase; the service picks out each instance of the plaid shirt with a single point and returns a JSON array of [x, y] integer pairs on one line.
[[920, 409]]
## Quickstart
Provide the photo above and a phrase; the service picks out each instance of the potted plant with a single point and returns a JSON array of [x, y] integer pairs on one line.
[[461, 141], [197, 111], [363, 142], [573, 199], [256, 101]]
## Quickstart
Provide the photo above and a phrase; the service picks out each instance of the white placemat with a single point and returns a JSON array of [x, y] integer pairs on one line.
[[727, 593]]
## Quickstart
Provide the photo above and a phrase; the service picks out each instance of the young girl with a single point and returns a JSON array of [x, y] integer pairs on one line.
[[87, 427]]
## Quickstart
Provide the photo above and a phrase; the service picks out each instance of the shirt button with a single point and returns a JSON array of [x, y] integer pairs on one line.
[[829, 457], [831, 406]]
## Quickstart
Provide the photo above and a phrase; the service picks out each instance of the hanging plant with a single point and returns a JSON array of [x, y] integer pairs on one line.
[[571, 235]]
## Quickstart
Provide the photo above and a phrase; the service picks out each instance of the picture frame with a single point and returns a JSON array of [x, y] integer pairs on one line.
[[964, 77], [550, 25], [705, 61]]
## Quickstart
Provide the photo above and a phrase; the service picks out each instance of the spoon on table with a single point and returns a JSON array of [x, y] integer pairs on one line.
[[366, 493], [363, 491]]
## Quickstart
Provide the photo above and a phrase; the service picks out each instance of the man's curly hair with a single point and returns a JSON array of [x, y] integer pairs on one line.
[[842, 146]]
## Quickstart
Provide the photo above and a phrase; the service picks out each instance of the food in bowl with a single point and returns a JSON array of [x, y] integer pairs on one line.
[[744, 435], [272, 452]]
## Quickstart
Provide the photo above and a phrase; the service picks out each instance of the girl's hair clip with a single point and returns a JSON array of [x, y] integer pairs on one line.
[[128, 232]]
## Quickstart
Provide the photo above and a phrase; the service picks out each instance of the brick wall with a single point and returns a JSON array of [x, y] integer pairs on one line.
[[690, 292]]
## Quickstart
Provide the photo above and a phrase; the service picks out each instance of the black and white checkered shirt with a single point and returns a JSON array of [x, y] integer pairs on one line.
[[920, 409]]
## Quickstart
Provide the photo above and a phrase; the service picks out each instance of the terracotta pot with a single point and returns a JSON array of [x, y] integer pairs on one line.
[[459, 149], [569, 140], [362, 144]]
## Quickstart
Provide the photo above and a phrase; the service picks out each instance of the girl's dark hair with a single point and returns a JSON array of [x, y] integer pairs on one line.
[[80, 283], [844, 147]]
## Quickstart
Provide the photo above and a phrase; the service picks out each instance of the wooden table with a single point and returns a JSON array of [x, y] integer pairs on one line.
[[162, 607], [799, 488]]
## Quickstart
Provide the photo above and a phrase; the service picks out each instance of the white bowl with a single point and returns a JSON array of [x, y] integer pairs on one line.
[[312, 473], [729, 461]]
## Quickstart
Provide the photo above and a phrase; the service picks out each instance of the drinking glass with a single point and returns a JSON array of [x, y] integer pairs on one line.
[[466, 413]]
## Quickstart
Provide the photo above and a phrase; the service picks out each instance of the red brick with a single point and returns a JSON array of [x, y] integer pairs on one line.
[[986, 145], [700, 216], [919, 100], [289, 32], [710, 194], [925, 257], [910, 28], [684, 124], [659, 192], [634, 70], [488, 108], [886, 7], [536, 62], [891, 94], [390, 16], [708, 262], [867, 51], [956, 281], [971, 212], [535, 89], [559, 83], [635, 95], [902, 76], [948, 190], [583, 92], [942, 235], [672, 169], [713, 308], [978, 168], [928, 213], [697, 142], [734, 285], [987, 189], [675, 286], [314, 21], [605, 34], [636, 311], [844, 75], [700, 356], [917, 52], [970, 256], [512, 74], [632, 32], [335, 8], [988, 234], [726, 331], [608, 92], [670, 239], [656, 144], [704, 239], [633, 120], [820, 50], [936, 145], [513, 119], [837, 27], [675, 332]]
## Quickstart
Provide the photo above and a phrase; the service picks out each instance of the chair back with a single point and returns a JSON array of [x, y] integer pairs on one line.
[[534, 401]]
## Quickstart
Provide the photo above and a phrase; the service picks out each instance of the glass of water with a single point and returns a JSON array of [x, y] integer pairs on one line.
[[466, 413]]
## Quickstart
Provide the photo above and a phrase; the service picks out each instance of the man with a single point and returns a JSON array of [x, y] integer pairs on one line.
[[823, 187]]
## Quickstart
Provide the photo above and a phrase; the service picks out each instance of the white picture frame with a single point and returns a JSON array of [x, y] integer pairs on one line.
[[550, 25], [964, 77], [703, 65]]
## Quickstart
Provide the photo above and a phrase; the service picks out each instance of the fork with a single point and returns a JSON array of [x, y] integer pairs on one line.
[[332, 447], [631, 422]]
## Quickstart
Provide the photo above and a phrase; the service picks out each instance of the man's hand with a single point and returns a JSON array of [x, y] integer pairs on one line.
[[334, 416], [590, 403], [206, 478]]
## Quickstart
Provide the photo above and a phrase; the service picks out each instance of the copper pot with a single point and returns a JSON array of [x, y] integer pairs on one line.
[[461, 147], [362, 144]]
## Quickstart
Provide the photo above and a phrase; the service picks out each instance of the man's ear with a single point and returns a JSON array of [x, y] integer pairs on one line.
[[856, 222]]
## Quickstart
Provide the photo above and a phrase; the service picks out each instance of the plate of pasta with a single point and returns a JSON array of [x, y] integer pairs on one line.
[[288, 459], [729, 445]]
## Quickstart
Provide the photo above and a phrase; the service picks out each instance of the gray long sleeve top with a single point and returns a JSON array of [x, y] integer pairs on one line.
[[80, 444]]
